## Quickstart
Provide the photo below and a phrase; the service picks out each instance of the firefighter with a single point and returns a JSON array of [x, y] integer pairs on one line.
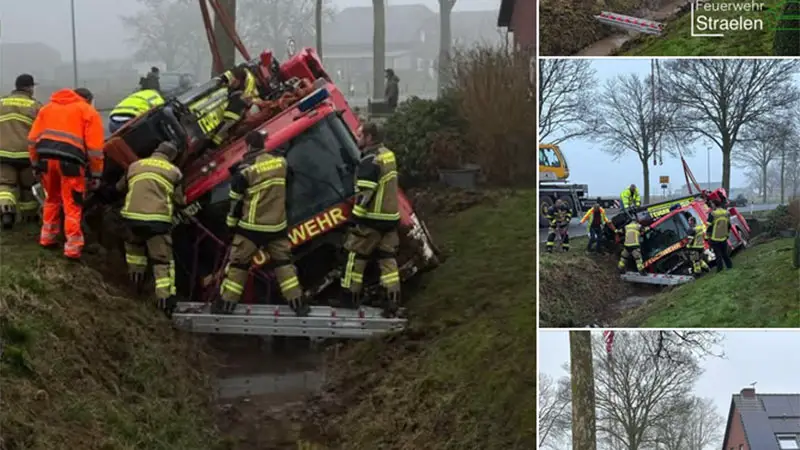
[[720, 220], [133, 106], [697, 246], [559, 216], [630, 197], [631, 250], [257, 218], [595, 218], [376, 216], [242, 93], [65, 139], [17, 113], [153, 190]]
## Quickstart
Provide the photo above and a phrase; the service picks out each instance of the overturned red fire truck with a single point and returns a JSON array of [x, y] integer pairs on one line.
[[309, 120]]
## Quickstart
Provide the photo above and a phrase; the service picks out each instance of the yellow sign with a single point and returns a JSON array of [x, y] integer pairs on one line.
[[663, 209], [665, 252], [663, 180], [317, 225]]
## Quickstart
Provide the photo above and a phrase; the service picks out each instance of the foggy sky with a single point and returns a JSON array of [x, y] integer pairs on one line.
[[99, 32], [758, 356], [588, 164]]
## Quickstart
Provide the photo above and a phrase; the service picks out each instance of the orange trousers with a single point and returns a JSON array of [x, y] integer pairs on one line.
[[65, 187]]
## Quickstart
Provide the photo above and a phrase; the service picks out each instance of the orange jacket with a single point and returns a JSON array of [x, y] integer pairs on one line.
[[70, 129]]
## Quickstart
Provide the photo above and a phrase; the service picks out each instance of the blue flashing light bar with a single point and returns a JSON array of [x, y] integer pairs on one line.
[[313, 99]]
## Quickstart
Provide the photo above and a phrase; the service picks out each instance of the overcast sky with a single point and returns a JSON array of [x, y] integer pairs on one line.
[[589, 165], [766, 357], [98, 28]]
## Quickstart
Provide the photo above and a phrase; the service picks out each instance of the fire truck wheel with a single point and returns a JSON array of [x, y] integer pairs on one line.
[[545, 202]]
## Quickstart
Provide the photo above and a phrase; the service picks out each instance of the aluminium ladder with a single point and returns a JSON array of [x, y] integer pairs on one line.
[[656, 278], [630, 23], [280, 320]]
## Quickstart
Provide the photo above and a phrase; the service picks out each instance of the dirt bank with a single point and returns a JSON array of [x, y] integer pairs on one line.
[[84, 366]]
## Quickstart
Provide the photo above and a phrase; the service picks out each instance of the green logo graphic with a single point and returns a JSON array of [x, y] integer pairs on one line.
[[784, 16]]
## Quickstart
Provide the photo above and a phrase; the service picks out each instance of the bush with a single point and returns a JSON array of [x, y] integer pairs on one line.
[[779, 220], [412, 132], [494, 93], [787, 36]]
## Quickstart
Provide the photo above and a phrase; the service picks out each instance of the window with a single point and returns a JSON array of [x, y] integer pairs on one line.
[[665, 234], [788, 442], [548, 157], [322, 162]]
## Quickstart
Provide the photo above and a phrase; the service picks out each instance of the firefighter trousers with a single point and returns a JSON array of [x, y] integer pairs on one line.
[[360, 244], [698, 261], [634, 253], [64, 185], [16, 181], [158, 249], [243, 252], [551, 237], [723, 256]]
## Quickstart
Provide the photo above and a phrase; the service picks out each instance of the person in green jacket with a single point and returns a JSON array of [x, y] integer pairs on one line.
[[630, 197], [132, 107]]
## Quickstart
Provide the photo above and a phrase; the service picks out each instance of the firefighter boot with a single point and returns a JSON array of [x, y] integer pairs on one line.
[[621, 265], [299, 305], [167, 305], [391, 303], [221, 306], [349, 299], [8, 215]]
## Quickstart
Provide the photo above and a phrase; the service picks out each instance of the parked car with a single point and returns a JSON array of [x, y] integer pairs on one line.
[[740, 200], [174, 84]]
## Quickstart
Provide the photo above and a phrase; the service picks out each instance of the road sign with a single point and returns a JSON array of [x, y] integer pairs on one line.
[[663, 179]]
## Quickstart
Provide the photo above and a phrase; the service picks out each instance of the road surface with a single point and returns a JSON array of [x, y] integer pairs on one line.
[[577, 229]]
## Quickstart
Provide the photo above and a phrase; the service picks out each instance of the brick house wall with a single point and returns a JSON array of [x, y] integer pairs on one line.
[[736, 439], [523, 22]]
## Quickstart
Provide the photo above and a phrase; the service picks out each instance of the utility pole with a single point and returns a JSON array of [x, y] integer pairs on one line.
[[227, 50], [74, 46]]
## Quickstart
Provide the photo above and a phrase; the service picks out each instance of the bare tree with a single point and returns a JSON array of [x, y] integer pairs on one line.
[[566, 99], [720, 99], [554, 411], [268, 24], [697, 427], [793, 171], [378, 47], [638, 388], [584, 430], [170, 31], [758, 152], [445, 42], [630, 120]]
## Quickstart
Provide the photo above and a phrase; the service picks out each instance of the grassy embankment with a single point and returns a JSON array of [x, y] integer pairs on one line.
[[84, 366], [762, 291], [464, 375], [677, 40]]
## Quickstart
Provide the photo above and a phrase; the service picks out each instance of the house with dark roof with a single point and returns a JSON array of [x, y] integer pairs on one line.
[[412, 44], [763, 422], [519, 18]]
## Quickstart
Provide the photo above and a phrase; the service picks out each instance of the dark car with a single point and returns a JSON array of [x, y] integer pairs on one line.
[[174, 84], [740, 200]]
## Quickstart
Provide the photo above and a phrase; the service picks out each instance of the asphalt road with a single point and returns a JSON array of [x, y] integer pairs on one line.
[[577, 229]]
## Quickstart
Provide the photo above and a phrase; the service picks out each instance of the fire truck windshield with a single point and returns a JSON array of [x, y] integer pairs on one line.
[[665, 234], [322, 164]]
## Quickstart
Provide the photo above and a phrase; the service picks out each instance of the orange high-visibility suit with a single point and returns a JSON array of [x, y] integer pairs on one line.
[[65, 139]]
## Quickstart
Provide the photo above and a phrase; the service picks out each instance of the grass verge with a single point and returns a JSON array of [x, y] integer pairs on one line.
[[464, 375], [86, 367], [678, 39], [577, 289], [762, 291]]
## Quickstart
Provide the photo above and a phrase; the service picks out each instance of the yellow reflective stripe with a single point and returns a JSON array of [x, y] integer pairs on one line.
[[265, 166], [390, 278], [381, 189], [387, 157], [135, 260], [233, 195], [347, 280], [360, 211], [231, 221], [251, 214], [22, 154], [366, 184], [289, 283], [146, 217], [160, 179], [9, 196], [264, 228], [16, 116], [160, 163], [18, 102], [266, 184], [232, 286], [231, 115], [28, 206]]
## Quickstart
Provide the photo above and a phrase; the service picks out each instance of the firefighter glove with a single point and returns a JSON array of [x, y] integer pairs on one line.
[[136, 277], [300, 306]]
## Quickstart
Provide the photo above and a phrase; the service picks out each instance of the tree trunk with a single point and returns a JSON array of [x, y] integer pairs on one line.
[[726, 167], [764, 183], [378, 48], [583, 410], [445, 41], [227, 51], [646, 185], [783, 176], [318, 26]]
